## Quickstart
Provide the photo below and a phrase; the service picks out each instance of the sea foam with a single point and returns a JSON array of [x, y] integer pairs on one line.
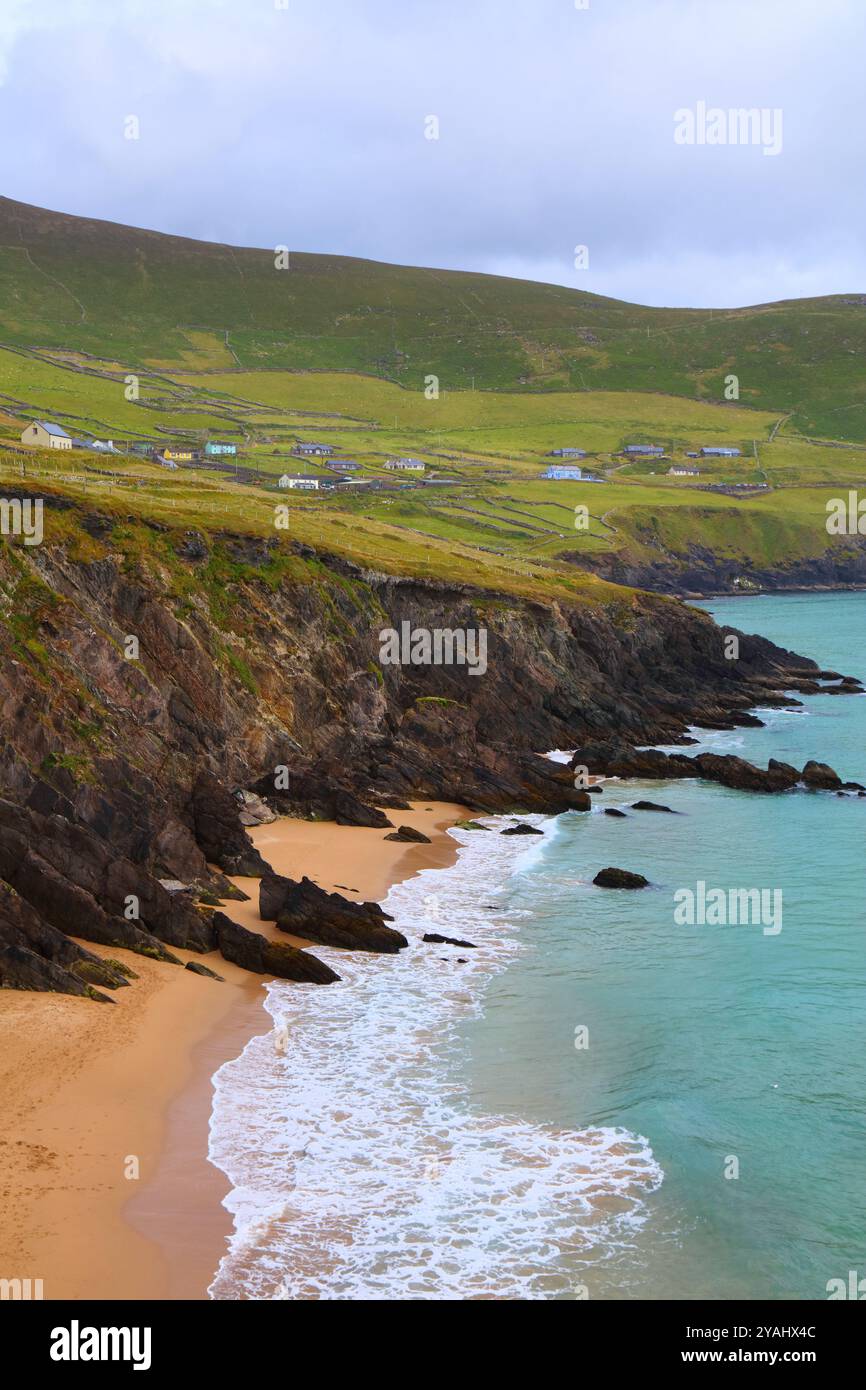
[[359, 1167]]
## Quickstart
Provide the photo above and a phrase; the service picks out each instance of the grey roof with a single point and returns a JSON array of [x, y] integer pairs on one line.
[[51, 429]]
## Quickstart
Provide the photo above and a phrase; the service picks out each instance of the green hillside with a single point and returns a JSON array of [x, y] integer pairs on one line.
[[142, 299]]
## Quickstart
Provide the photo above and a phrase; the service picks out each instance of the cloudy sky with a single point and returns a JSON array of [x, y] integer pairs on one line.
[[305, 123]]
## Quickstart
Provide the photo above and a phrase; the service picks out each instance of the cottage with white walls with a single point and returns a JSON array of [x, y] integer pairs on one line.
[[42, 434]]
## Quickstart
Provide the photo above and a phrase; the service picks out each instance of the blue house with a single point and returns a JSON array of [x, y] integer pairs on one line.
[[720, 453], [567, 454], [344, 465], [562, 472], [213, 448], [652, 451]]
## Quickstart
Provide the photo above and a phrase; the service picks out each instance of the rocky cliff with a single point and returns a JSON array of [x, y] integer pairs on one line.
[[698, 571], [151, 675]]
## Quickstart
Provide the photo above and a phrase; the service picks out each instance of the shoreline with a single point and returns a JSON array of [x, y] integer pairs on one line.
[[94, 1091]]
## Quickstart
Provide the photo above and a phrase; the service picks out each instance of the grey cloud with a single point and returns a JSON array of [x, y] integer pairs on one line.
[[305, 126]]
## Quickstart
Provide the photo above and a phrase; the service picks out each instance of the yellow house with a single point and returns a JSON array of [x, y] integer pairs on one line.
[[181, 453], [42, 434]]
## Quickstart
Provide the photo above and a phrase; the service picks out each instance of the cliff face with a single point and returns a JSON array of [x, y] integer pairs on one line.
[[700, 571], [148, 675]]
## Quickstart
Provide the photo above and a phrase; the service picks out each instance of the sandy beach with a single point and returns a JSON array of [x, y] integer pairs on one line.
[[105, 1187]]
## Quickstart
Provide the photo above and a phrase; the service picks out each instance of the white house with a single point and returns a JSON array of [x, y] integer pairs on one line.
[[310, 483], [406, 465], [42, 434], [677, 471]]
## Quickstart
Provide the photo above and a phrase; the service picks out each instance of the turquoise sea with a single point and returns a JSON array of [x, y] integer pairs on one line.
[[435, 1127], [713, 1042]]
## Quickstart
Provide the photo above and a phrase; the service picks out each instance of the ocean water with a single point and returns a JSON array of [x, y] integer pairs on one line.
[[596, 1101]]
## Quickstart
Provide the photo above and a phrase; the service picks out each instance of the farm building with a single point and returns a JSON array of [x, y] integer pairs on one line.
[[678, 471], [344, 465], [44, 435], [652, 451], [312, 450], [214, 448], [716, 452], [567, 454], [563, 472], [308, 483], [405, 465]]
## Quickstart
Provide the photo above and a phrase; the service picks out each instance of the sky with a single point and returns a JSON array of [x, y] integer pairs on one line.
[[488, 135]]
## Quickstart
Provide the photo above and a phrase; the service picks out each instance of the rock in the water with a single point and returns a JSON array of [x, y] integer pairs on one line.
[[407, 833], [612, 811], [619, 878], [821, 776], [652, 806], [306, 910], [438, 940], [521, 829]]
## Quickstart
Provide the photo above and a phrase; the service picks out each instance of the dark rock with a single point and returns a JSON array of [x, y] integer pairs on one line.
[[405, 832], [446, 940], [521, 829], [198, 969], [821, 776], [254, 952], [307, 911], [612, 811], [218, 830], [652, 806], [619, 878], [21, 968]]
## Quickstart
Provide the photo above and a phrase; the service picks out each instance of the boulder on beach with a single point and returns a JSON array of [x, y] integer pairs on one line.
[[198, 969], [619, 878], [255, 952], [306, 910], [409, 835], [521, 829]]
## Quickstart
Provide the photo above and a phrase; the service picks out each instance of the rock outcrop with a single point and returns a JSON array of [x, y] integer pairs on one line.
[[257, 690], [305, 910]]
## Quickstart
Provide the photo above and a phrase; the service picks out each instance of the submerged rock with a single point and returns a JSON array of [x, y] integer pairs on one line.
[[612, 811], [438, 940], [652, 806]]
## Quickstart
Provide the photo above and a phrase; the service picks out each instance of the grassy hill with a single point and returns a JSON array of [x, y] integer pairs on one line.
[[222, 345], [141, 299]]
